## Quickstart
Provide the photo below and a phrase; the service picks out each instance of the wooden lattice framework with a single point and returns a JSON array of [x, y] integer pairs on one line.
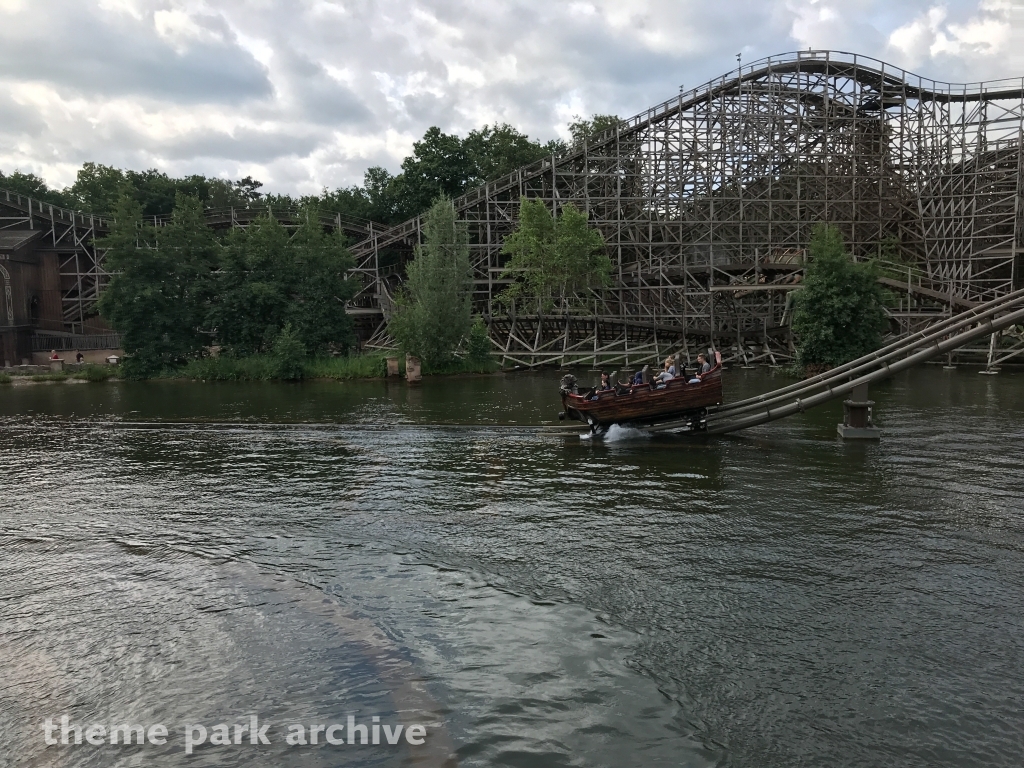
[[707, 200]]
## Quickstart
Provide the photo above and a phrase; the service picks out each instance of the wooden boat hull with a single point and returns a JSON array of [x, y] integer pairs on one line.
[[644, 404]]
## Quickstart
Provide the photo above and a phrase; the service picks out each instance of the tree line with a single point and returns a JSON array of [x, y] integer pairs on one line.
[[440, 164], [180, 290]]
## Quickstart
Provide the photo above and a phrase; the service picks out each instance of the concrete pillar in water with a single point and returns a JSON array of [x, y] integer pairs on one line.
[[392, 367], [857, 424], [412, 369]]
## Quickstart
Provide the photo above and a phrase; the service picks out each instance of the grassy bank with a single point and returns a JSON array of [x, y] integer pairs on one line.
[[269, 368]]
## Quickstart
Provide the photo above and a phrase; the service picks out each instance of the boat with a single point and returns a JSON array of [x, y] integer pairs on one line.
[[644, 404]]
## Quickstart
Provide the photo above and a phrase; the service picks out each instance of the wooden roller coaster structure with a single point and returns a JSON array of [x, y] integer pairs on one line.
[[706, 202]]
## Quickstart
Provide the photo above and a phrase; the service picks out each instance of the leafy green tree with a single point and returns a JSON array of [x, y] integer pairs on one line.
[[161, 285], [498, 150], [252, 287], [553, 259], [580, 128], [838, 316], [439, 165], [321, 288], [432, 313], [445, 164], [98, 188], [31, 185], [269, 280]]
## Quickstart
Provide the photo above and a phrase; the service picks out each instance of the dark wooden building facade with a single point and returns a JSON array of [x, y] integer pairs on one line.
[[50, 278]]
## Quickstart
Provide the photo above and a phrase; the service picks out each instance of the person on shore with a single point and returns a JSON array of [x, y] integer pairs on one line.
[[79, 357], [703, 366], [54, 355]]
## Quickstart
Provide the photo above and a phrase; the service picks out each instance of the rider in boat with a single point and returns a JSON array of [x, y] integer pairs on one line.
[[703, 366], [668, 373]]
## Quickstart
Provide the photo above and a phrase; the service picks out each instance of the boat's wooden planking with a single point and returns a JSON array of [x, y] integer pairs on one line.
[[645, 403]]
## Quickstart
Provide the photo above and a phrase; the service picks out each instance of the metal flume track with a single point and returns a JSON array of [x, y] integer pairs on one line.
[[936, 340]]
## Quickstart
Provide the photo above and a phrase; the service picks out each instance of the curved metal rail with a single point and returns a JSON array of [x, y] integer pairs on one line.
[[936, 340]]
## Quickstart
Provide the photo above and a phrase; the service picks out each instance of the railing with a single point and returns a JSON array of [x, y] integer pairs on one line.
[[52, 212], [69, 343], [55, 213], [840, 62], [935, 340]]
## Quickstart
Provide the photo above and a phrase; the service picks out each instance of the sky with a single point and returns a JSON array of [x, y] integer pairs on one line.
[[308, 94]]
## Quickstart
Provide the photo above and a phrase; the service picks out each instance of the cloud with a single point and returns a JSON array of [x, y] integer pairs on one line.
[[308, 94], [162, 55], [962, 47]]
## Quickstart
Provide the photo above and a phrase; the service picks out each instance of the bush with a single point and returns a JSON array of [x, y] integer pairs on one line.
[[478, 346], [94, 373], [5, 379], [461, 365], [355, 367], [289, 355], [50, 377], [225, 368]]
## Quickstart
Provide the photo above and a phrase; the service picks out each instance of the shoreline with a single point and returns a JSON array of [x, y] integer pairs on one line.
[[24, 380]]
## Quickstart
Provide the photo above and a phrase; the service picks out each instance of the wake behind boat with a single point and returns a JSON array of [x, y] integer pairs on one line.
[[644, 404]]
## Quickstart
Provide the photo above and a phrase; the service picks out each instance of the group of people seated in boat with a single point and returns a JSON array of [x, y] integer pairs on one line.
[[659, 381]]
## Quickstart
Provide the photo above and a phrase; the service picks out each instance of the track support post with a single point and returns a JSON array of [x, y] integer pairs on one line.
[[857, 423]]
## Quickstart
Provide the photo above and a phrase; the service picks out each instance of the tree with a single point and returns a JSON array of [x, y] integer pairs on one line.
[[33, 186], [432, 314], [439, 165], [838, 316], [161, 285], [581, 128], [269, 281], [498, 150], [321, 288], [252, 288], [552, 259], [445, 164], [98, 188]]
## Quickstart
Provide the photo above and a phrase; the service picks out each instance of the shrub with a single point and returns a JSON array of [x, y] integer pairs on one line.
[[94, 373], [289, 355], [355, 367], [478, 346], [225, 368], [5, 378], [50, 377]]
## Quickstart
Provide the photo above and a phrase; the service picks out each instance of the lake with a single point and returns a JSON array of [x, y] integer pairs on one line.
[[190, 554]]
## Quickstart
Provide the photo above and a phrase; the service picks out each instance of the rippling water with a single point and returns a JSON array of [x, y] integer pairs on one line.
[[183, 553]]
